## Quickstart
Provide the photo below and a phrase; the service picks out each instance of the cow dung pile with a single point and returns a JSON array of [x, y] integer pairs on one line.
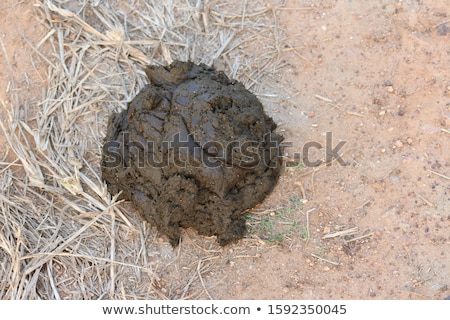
[[194, 149]]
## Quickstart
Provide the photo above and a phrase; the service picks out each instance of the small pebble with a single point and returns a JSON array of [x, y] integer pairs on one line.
[[399, 144], [315, 125], [390, 89], [382, 113], [312, 114], [326, 269], [443, 30], [409, 140]]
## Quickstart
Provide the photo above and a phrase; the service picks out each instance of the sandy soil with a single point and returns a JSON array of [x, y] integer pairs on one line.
[[372, 226]]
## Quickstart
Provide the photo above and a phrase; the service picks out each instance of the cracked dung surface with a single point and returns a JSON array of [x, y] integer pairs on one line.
[[194, 149]]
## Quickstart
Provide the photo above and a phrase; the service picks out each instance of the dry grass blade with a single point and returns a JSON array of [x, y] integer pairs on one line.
[[342, 233], [360, 237], [439, 174], [324, 259], [429, 203]]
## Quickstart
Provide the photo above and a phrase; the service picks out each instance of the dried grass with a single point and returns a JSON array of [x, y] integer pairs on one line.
[[62, 236]]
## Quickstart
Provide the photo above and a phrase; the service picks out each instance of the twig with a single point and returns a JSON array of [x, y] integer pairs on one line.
[[363, 205], [326, 260], [201, 279], [252, 257], [438, 174], [87, 257], [355, 114], [341, 233], [424, 200], [52, 281], [360, 237], [441, 23], [323, 98], [307, 221]]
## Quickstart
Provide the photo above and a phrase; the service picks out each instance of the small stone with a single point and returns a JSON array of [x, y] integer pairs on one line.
[[312, 114], [443, 30], [390, 89], [409, 140], [315, 125], [326, 268], [179, 292], [399, 144], [378, 187], [382, 113]]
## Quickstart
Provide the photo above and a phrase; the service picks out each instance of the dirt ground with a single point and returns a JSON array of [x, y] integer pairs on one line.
[[375, 74]]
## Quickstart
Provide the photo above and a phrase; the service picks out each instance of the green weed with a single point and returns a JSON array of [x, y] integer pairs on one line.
[[280, 224]]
